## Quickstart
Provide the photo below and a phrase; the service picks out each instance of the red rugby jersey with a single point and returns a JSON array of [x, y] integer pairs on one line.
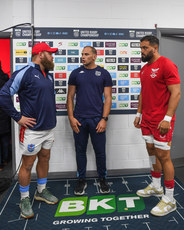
[[155, 78]]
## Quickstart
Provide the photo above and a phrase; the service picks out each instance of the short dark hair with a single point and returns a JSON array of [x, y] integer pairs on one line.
[[151, 39], [92, 49]]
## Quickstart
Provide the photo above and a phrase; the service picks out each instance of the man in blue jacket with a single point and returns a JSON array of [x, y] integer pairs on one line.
[[37, 119]]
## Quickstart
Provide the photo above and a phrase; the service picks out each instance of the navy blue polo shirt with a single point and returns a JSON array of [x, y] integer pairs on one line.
[[90, 85]]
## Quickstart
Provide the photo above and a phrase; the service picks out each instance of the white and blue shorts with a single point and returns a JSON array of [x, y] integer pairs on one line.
[[31, 142]]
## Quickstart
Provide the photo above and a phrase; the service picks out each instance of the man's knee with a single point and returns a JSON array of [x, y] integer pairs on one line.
[[44, 155], [27, 162]]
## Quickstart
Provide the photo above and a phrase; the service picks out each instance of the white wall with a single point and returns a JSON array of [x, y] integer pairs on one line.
[[125, 147]]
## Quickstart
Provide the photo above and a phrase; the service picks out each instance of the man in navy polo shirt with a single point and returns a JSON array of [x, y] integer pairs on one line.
[[89, 82]]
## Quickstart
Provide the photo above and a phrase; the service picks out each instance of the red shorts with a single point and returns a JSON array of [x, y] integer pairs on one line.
[[152, 129]]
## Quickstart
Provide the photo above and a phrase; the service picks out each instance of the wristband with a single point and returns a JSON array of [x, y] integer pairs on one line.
[[138, 115], [167, 118]]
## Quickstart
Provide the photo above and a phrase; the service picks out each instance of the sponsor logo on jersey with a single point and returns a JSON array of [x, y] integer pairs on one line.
[[154, 73]]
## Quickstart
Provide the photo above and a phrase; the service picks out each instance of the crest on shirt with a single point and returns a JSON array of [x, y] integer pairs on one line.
[[31, 148], [154, 73], [98, 73]]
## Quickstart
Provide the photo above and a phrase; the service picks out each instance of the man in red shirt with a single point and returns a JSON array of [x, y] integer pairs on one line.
[[158, 100]]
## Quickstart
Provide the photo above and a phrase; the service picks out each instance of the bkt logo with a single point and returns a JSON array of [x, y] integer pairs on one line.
[[75, 206]]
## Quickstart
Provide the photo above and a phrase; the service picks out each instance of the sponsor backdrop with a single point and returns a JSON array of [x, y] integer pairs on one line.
[[120, 210], [118, 51]]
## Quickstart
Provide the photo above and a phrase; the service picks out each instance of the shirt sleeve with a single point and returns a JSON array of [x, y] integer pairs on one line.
[[171, 74], [72, 78], [108, 79], [10, 88]]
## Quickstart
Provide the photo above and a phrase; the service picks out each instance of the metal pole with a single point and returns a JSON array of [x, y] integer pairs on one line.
[[32, 21]]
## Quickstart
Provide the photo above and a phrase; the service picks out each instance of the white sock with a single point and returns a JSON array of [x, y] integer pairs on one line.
[[169, 192], [156, 182], [24, 195], [41, 187]]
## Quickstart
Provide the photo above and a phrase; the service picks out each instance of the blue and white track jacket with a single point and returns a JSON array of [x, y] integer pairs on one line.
[[36, 95]]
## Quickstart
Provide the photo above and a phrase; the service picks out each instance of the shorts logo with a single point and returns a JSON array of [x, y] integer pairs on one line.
[[31, 148]]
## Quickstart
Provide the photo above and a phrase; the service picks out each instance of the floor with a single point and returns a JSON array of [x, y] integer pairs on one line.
[[120, 209], [6, 175]]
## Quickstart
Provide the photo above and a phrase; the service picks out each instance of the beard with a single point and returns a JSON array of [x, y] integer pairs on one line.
[[148, 57], [49, 65]]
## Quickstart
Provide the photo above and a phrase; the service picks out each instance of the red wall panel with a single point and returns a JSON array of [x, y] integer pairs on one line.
[[5, 55]]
